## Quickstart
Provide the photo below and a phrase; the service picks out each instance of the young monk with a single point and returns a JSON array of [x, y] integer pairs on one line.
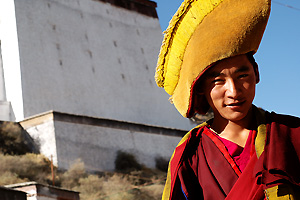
[[206, 61]]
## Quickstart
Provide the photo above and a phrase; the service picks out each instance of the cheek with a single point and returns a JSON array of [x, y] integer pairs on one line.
[[215, 95], [250, 87]]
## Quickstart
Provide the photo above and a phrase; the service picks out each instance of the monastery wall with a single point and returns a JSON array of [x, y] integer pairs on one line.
[[84, 57], [66, 138]]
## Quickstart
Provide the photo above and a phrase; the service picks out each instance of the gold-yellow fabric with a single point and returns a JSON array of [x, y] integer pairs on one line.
[[203, 32], [282, 192], [285, 191]]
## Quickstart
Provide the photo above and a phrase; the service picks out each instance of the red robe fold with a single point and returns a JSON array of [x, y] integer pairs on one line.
[[201, 168]]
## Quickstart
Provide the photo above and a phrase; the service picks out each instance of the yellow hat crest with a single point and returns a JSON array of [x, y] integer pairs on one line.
[[201, 33]]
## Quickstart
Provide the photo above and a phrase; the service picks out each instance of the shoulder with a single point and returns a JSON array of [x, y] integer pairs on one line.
[[189, 139], [190, 142], [286, 120]]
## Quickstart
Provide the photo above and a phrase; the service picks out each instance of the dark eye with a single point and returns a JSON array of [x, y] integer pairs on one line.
[[218, 80], [243, 75]]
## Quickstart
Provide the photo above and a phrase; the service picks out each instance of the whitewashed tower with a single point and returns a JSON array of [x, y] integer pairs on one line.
[[79, 77], [85, 57]]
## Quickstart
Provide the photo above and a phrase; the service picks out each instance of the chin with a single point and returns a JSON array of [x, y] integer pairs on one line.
[[235, 116]]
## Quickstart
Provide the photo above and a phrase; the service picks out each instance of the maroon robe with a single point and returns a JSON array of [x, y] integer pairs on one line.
[[201, 168]]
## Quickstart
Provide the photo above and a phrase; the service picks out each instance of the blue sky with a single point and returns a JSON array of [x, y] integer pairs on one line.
[[278, 56]]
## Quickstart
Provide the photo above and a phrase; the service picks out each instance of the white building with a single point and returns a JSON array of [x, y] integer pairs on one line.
[[84, 57], [93, 58]]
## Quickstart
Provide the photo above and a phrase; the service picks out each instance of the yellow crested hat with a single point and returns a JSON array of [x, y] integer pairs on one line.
[[201, 33]]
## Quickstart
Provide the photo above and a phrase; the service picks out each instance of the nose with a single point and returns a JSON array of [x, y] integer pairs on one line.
[[232, 89]]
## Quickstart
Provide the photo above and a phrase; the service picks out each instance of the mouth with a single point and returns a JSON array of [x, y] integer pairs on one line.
[[235, 105]]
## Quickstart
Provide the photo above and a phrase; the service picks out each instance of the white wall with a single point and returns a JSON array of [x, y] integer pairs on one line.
[[97, 141], [11, 59], [2, 85], [4, 105], [43, 135], [90, 58], [97, 146]]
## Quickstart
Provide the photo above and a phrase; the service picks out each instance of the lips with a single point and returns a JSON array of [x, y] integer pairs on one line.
[[235, 105]]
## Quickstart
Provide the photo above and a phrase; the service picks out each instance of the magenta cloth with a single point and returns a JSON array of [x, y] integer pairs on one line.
[[240, 155]]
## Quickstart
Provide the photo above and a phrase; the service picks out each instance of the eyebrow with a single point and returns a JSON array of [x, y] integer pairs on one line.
[[214, 74], [243, 68]]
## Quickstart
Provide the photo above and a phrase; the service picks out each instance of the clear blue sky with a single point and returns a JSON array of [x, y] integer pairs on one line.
[[278, 56]]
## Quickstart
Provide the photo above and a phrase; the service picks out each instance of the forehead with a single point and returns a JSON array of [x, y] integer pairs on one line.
[[235, 64]]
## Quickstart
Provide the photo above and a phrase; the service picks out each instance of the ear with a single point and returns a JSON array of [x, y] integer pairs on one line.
[[256, 74]]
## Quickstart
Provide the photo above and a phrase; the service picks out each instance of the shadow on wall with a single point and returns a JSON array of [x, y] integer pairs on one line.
[[126, 162]]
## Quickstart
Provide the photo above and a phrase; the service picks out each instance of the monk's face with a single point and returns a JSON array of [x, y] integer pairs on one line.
[[229, 88]]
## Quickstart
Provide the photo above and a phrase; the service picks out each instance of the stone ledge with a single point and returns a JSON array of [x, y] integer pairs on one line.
[[110, 123], [144, 7]]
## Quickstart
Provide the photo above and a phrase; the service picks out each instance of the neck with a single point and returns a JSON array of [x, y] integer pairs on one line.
[[235, 131]]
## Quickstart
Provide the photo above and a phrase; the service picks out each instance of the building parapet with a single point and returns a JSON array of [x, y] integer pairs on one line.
[[108, 123], [141, 6]]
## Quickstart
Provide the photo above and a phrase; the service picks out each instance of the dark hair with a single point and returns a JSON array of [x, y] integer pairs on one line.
[[253, 62]]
